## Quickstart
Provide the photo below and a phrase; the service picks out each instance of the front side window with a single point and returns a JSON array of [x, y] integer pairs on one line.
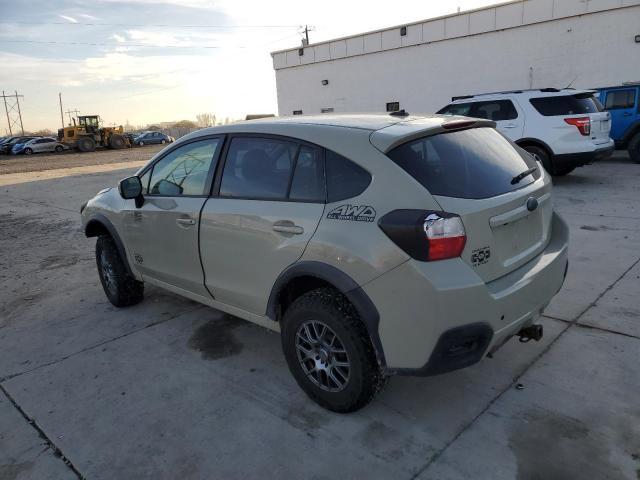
[[460, 109], [185, 170], [620, 99], [258, 168], [475, 163], [579, 104]]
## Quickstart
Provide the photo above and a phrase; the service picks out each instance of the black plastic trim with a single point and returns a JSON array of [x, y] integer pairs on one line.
[[106, 223], [441, 361], [345, 284], [583, 158]]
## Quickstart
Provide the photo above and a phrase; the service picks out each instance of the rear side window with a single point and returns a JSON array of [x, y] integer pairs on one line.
[[258, 168], [496, 110], [345, 179], [476, 163], [580, 104], [307, 184], [620, 99]]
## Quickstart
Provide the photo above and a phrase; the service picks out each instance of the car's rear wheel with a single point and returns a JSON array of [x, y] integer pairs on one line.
[[329, 351], [28, 151], [163, 142], [141, 144], [59, 149], [120, 287], [634, 148]]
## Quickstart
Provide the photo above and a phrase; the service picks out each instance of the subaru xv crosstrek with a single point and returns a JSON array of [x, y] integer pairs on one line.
[[376, 244]]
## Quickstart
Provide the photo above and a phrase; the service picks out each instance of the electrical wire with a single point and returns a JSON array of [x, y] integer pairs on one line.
[[97, 44]]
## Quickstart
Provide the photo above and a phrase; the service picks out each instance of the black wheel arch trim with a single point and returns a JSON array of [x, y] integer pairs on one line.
[[99, 218], [535, 141], [342, 282]]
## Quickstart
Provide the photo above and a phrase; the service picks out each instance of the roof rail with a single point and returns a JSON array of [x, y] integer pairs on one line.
[[506, 92]]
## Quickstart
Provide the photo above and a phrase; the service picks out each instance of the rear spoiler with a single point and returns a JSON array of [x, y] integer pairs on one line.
[[388, 138]]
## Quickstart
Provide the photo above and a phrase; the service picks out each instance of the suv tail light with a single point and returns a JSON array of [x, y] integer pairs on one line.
[[582, 123], [427, 236]]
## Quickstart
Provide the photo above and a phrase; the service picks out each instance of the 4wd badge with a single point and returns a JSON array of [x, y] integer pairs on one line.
[[354, 213]]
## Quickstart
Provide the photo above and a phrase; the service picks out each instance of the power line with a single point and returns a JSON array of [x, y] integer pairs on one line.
[[159, 25], [98, 44]]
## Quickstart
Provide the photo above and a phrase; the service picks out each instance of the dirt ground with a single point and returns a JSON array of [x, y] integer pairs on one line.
[[44, 161]]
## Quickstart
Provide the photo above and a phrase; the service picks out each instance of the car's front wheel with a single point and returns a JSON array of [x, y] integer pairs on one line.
[[163, 142], [28, 151], [141, 144], [329, 351], [59, 149], [121, 288]]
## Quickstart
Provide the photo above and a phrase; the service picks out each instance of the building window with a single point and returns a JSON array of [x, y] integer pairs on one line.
[[403, 31], [393, 107], [300, 52], [326, 110], [297, 112]]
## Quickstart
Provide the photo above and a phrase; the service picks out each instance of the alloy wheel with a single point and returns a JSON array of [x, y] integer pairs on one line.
[[322, 356]]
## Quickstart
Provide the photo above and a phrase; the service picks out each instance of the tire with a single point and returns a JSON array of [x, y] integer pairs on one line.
[[162, 142], [328, 311], [116, 141], [28, 151], [141, 144], [120, 287], [634, 148], [560, 172], [86, 144], [59, 149], [541, 155]]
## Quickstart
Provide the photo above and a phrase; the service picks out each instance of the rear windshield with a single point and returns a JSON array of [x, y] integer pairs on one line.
[[475, 163], [580, 104]]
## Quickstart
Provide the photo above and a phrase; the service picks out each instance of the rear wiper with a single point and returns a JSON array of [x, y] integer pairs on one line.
[[518, 178]]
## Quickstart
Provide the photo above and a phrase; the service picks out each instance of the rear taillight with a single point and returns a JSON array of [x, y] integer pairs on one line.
[[446, 236], [582, 123], [425, 235]]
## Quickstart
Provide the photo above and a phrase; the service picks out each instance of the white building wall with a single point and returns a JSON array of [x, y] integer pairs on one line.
[[525, 44]]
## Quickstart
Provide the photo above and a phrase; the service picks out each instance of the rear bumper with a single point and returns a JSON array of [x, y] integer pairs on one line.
[[583, 158], [436, 317]]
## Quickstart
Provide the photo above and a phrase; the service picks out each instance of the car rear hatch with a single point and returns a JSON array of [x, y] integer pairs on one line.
[[499, 192], [578, 115]]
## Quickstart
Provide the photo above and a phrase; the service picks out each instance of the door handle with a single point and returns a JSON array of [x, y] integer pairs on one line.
[[511, 125], [287, 226], [627, 114], [185, 222]]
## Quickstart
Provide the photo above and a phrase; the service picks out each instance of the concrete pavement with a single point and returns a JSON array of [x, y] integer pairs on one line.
[[169, 388]]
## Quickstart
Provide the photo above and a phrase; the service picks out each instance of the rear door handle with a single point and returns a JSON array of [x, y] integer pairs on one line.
[[287, 226], [510, 125], [185, 222]]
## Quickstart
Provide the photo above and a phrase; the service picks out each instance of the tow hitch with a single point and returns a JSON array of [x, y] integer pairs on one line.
[[533, 332]]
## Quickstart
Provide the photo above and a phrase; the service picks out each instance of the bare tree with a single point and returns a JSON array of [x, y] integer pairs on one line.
[[205, 119]]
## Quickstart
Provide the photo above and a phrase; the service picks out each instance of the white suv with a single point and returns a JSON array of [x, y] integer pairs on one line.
[[563, 129]]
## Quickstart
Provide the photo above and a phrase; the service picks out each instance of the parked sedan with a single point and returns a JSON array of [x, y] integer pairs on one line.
[[8, 146], [150, 138], [37, 145]]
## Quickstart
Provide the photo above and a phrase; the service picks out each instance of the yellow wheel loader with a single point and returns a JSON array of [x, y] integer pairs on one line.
[[87, 135]]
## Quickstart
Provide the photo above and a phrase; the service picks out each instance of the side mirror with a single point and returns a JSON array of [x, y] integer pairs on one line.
[[130, 187]]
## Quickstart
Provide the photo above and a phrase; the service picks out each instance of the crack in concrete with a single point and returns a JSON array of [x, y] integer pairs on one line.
[[106, 342], [594, 327], [50, 444], [569, 324]]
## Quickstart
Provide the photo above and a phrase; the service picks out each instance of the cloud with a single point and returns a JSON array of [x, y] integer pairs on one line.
[[68, 18], [87, 16], [118, 38]]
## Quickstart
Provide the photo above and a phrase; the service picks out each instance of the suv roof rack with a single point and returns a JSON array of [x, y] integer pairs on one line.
[[506, 92]]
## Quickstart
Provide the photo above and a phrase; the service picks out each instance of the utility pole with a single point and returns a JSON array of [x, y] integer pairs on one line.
[[12, 109], [307, 29], [69, 112], [61, 114]]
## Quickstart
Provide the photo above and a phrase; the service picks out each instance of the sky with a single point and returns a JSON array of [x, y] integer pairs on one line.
[[150, 61]]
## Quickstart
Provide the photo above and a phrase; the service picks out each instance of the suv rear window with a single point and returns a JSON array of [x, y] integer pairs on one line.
[[579, 104], [475, 163]]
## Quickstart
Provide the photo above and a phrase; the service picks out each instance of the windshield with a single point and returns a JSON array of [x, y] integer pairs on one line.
[[475, 163]]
